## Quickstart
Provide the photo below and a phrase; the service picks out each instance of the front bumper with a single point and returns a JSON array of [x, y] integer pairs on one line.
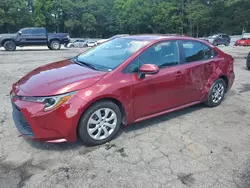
[[58, 125]]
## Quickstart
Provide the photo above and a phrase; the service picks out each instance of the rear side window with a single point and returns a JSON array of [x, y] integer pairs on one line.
[[38, 31], [193, 51], [196, 51]]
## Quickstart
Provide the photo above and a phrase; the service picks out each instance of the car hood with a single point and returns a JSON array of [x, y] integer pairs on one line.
[[57, 78], [7, 35]]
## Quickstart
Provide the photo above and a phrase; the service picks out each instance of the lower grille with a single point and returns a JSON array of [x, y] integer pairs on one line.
[[20, 122]]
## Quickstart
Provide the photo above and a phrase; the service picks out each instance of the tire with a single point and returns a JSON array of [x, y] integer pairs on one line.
[[248, 61], [55, 45], [10, 45], [215, 43], [226, 44], [49, 47], [84, 126], [72, 46], [211, 101]]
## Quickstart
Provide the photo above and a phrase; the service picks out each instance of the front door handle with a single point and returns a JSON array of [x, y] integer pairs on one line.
[[208, 65]]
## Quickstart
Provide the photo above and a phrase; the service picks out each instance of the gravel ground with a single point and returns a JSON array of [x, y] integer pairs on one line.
[[197, 147]]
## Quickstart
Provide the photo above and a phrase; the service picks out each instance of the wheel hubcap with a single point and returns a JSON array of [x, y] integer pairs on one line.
[[55, 45], [217, 93], [10, 45], [102, 123]]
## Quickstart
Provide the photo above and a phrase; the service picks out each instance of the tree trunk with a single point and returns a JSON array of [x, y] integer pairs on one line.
[[197, 32]]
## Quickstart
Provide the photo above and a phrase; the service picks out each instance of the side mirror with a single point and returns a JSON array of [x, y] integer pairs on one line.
[[20, 32], [148, 69]]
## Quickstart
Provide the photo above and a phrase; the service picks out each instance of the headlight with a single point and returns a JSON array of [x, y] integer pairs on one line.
[[51, 102]]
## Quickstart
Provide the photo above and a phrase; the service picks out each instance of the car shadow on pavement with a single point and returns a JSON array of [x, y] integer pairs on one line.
[[32, 50], [124, 129], [55, 146], [160, 119]]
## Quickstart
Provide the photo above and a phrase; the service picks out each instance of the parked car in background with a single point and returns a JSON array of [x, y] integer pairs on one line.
[[248, 61], [33, 36], [121, 81], [78, 43], [115, 36], [242, 42], [204, 38], [219, 39], [91, 43]]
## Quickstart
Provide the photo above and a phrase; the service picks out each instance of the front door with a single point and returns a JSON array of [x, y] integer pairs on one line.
[[25, 37], [164, 90]]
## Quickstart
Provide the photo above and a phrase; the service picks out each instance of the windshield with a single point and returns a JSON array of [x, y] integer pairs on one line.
[[111, 54]]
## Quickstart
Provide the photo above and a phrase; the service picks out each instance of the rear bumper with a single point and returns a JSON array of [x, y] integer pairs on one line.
[[65, 41], [231, 78]]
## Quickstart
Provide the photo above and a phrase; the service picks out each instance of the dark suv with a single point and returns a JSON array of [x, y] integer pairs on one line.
[[219, 39]]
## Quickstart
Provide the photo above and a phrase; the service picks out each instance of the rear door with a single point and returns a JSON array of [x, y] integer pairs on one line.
[[39, 36], [198, 68]]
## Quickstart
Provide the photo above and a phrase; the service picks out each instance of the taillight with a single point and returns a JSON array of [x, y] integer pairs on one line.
[[232, 60]]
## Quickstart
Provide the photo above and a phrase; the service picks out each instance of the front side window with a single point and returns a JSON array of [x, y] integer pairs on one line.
[[109, 55], [164, 54], [26, 31]]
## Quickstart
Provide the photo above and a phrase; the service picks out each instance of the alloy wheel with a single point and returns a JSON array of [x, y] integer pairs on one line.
[[218, 92], [102, 123]]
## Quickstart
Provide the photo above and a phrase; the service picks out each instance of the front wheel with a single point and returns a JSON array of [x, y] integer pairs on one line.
[[100, 123], [9, 45], [55, 45], [216, 93]]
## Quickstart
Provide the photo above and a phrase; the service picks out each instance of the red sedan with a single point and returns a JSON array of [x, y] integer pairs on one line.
[[121, 81], [243, 42]]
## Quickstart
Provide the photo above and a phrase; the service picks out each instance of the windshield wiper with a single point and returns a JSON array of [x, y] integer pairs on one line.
[[76, 60]]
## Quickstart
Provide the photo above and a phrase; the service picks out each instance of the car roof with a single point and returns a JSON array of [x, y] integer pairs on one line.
[[152, 37]]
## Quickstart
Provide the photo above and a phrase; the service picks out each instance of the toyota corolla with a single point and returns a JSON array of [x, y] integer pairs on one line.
[[121, 81]]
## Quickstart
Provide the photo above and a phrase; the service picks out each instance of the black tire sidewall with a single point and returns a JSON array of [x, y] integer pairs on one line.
[[82, 126], [51, 45], [6, 44], [210, 101]]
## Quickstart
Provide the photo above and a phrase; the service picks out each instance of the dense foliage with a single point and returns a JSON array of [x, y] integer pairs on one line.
[[103, 18]]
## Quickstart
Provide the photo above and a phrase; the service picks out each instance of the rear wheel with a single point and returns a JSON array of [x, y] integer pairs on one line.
[[227, 44], [216, 93], [55, 45], [100, 123], [9, 45]]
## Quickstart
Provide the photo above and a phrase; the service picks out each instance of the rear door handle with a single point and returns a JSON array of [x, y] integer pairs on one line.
[[178, 74]]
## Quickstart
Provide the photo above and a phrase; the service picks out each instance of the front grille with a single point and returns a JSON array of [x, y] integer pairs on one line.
[[20, 122]]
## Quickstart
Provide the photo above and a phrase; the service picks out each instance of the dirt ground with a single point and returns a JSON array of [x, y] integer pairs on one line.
[[197, 147]]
